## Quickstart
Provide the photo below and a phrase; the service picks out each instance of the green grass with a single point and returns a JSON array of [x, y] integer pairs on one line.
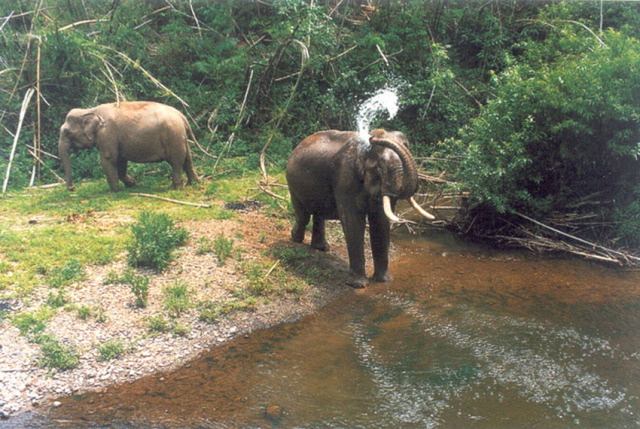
[[213, 310], [177, 298], [112, 349]]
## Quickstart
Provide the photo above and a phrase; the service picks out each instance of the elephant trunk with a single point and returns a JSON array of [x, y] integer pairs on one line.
[[405, 181], [409, 174], [64, 149]]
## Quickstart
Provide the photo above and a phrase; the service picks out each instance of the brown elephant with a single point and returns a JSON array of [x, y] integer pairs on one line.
[[336, 175], [137, 131]]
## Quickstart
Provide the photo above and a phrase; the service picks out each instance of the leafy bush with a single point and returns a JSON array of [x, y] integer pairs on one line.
[[154, 239], [560, 127]]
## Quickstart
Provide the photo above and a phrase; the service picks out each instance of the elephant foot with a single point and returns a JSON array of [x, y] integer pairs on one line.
[[297, 235], [381, 278], [322, 246], [357, 281], [129, 181]]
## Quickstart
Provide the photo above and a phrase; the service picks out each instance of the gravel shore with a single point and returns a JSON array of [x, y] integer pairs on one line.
[[25, 384]]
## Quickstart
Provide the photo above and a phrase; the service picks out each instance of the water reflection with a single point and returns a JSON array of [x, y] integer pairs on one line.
[[464, 337]]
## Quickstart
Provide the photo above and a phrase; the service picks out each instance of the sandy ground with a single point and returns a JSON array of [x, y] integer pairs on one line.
[[25, 384]]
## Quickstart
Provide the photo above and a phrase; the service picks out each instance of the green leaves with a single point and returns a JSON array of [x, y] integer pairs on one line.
[[154, 239]]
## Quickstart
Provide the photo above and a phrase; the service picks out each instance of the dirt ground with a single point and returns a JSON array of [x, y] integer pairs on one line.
[[25, 384]]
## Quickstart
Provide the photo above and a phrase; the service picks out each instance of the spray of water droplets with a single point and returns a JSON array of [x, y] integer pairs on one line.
[[383, 100]]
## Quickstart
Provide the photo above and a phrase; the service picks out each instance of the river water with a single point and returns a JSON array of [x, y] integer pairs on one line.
[[463, 337]]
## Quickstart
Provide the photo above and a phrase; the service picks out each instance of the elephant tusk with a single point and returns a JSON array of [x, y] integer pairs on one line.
[[420, 210], [386, 206]]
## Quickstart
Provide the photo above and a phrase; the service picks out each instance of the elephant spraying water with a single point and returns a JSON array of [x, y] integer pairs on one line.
[[335, 175], [137, 131]]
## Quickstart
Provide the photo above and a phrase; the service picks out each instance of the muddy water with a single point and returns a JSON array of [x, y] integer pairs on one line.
[[463, 337]]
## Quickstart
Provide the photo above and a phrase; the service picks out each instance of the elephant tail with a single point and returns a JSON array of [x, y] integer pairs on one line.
[[195, 141]]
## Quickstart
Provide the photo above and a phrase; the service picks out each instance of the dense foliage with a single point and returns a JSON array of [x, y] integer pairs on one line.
[[533, 104]]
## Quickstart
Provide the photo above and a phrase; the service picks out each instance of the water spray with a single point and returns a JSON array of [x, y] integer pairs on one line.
[[385, 99]]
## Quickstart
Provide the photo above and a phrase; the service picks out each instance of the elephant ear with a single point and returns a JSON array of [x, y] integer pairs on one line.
[[91, 124]]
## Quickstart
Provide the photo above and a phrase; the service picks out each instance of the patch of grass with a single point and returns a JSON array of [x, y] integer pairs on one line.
[[32, 322], [71, 272], [157, 325], [177, 298], [33, 251], [214, 310], [113, 348], [155, 237]]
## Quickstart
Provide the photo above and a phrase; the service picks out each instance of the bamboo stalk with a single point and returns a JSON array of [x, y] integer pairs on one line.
[[23, 111], [37, 143]]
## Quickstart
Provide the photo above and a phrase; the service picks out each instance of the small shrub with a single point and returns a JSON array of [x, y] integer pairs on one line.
[[223, 247], [112, 278], [84, 312], [57, 299], [140, 288], [179, 329], [177, 298], [155, 236], [56, 355], [111, 349], [100, 316], [205, 245]]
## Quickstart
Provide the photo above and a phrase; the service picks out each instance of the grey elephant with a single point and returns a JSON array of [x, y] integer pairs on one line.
[[137, 131], [336, 175]]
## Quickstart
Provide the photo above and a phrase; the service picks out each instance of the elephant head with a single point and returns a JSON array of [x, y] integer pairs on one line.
[[397, 175], [78, 132]]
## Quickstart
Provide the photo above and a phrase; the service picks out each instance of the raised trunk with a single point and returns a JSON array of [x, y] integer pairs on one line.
[[409, 169], [63, 152]]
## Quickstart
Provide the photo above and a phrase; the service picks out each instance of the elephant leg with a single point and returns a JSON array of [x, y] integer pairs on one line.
[[302, 219], [110, 170], [318, 238], [122, 173], [353, 226], [380, 233], [192, 177], [177, 181]]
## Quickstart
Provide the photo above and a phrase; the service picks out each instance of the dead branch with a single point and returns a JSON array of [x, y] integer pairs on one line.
[[591, 245], [263, 188], [186, 203]]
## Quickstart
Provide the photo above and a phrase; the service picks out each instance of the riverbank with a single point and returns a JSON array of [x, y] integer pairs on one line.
[[26, 384]]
